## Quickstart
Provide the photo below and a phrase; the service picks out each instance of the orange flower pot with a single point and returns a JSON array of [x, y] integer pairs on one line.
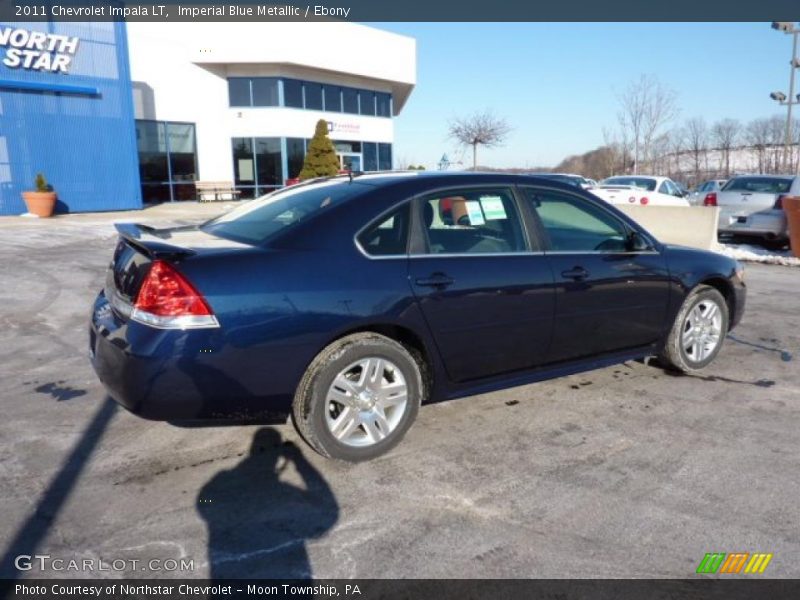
[[41, 204], [791, 206]]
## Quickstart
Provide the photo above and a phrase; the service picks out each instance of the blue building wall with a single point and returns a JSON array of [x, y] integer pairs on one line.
[[77, 128]]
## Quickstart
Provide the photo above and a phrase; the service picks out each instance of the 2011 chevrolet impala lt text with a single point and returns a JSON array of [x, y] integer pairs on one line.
[[348, 302]]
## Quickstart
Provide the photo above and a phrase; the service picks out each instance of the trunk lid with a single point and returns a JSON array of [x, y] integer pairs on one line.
[[139, 245]]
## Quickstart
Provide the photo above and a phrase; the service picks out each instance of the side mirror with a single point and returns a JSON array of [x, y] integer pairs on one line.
[[637, 242]]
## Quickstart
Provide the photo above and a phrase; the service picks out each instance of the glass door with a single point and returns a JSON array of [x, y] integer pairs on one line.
[[350, 161]]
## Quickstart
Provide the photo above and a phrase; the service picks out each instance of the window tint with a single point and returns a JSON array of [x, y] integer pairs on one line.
[[664, 188], [239, 92], [384, 105], [367, 102], [575, 225], [388, 237], [767, 185], [293, 93], [350, 100], [644, 183], [472, 222], [333, 98], [265, 91], [313, 95], [257, 221]]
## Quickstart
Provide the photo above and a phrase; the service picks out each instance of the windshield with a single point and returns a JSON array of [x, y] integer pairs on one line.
[[261, 219], [644, 183], [765, 185]]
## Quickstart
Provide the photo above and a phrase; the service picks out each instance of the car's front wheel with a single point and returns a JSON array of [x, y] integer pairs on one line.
[[699, 329], [359, 396]]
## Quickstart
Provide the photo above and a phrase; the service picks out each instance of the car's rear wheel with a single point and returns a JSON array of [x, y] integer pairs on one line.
[[359, 396], [699, 329]]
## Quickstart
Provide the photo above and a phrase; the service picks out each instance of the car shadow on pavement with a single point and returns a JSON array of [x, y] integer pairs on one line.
[[261, 513], [34, 530]]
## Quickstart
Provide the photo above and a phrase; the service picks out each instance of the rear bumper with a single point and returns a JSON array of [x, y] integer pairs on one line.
[[767, 223], [168, 375]]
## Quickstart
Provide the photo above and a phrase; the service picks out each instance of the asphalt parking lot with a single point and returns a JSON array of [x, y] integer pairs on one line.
[[621, 472]]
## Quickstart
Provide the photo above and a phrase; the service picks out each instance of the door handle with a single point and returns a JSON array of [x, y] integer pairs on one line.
[[437, 280], [576, 273]]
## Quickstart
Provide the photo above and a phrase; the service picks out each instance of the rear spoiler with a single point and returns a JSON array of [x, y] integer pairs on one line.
[[150, 241]]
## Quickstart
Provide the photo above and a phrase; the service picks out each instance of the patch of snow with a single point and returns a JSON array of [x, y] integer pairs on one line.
[[750, 253]]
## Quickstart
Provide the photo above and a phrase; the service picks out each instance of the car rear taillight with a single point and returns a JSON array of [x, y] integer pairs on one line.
[[779, 201], [167, 299], [643, 200], [710, 199]]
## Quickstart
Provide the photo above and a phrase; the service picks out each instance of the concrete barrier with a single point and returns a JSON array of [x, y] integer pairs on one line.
[[695, 226]]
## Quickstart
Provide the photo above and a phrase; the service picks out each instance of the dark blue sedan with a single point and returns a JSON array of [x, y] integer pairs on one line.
[[348, 302]]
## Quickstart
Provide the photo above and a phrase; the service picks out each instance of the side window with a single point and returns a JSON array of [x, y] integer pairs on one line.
[[388, 237], [575, 225], [472, 222], [664, 188]]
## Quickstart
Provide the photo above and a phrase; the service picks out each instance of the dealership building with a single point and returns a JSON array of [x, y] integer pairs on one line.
[[116, 115]]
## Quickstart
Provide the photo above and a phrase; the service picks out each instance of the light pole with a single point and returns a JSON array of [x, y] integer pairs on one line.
[[789, 29]]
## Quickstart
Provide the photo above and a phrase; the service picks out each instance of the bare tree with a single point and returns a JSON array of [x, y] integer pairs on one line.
[[696, 142], [646, 107], [777, 133], [757, 136], [677, 146], [480, 129], [726, 134]]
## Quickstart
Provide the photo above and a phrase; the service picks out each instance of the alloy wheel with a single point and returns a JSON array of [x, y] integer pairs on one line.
[[366, 402], [702, 331]]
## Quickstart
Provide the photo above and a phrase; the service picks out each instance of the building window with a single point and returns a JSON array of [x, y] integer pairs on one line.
[[293, 93], [384, 157], [309, 95], [167, 160], [239, 92], [269, 169], [333, 98], [384, 104], [313, 95], [370, 151], [367, 102], [350, 100], [257, 165], [295, 155], [265, 91]]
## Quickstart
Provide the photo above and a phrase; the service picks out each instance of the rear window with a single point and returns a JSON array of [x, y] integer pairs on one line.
[[643, 183], [259, 220], [765, 185]]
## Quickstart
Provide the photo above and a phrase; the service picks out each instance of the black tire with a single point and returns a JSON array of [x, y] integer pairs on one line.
[[309, 410], [674, 355]]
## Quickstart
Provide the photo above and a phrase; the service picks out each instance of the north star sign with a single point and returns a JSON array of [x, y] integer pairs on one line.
[[36, 50]]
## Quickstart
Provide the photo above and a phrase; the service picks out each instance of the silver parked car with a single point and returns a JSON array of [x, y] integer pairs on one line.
[[752, 205], [697, 196]]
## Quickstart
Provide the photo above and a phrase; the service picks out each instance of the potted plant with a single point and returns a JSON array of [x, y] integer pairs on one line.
[[41, 202]]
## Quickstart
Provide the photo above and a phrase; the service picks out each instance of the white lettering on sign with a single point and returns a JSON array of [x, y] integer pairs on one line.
[[36, 50]]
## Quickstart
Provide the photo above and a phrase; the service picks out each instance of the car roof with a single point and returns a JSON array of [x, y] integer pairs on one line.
[[444, 178], [763, 176]]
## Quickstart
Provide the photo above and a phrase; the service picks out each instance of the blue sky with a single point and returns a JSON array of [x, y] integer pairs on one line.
[[557, 84]]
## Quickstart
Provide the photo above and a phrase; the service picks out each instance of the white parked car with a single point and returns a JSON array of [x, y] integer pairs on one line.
[[700, 195], [643, 190], [570, 178], [752, 205]]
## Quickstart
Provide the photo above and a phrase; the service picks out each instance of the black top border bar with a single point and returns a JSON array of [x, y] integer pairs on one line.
[[408, 10]]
